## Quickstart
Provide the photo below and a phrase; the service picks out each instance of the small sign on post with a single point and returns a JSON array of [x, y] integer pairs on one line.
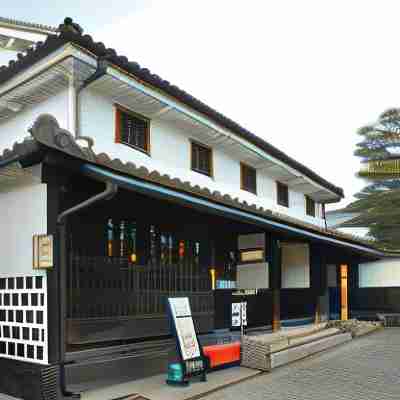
[[239, 315]]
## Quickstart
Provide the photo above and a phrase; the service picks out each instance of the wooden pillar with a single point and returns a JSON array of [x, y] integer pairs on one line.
[[275, 282], [344, 311], [317, 319], [276, 310]]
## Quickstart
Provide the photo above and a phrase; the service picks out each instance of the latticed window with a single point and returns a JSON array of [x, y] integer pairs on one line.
[[248, 178], [202, 159], [310, 206], [132, 130], [283, 194]]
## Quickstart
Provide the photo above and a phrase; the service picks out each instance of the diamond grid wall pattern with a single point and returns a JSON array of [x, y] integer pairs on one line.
[[23, 318]]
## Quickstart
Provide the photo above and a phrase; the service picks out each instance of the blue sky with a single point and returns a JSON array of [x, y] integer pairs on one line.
[[304, 75]]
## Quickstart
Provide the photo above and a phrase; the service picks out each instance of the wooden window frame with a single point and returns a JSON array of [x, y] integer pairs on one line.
[[243, 167], [120, 109], [278, 186], [309, 199], [211, 160]]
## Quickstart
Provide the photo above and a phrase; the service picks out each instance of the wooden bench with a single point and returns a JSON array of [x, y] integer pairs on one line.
[[221, 355]]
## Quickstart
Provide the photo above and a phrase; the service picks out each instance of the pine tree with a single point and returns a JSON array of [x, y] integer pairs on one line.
[[378, 204]]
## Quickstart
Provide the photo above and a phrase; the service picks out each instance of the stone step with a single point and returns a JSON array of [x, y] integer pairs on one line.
[[303, 331], [296, 353], [311, 338], [365, 329]]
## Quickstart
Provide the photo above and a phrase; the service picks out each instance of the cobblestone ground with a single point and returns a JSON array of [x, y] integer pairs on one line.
[[367, 368]]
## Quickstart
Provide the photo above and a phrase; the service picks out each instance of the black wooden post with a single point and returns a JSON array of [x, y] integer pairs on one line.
[[353, 286], [53, 208], [318, 277]]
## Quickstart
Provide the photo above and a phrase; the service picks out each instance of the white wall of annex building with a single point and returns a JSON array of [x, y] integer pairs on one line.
[[15, 128], [23, 212], [381, 273], [295, 265], [170, 154]]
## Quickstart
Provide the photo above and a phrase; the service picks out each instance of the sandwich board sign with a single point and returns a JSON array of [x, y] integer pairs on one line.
[[189, 349]]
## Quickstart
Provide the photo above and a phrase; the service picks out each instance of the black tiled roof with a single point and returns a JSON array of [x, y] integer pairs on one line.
[[72, 32]]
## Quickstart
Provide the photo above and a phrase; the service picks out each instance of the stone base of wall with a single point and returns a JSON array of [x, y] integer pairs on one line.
[[29, 381]]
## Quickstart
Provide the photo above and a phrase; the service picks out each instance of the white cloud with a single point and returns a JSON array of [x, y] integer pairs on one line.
[[304, 75]]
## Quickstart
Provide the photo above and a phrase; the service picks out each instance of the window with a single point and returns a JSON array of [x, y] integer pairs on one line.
[[202, 159], [248, 178], [310, 207], [283, 194], [132, 130]]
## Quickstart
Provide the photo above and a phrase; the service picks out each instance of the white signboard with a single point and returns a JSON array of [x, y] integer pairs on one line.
[[185, 331], [187, 338], [180, 306]]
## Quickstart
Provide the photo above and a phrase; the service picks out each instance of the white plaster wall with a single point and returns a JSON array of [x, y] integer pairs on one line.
[[381, 273], [15, 129], [253, 276], [23, 212], [295, 265], [170, 153]]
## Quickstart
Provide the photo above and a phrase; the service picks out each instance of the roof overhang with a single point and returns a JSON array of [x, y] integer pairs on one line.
[[17, 36], [45, 79], [151, 189], [51, 144]]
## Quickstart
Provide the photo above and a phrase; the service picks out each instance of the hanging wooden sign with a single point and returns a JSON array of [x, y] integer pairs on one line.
[[43, 252], [248, 256]]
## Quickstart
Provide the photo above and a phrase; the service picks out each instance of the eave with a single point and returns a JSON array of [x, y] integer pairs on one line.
[[47, 136]]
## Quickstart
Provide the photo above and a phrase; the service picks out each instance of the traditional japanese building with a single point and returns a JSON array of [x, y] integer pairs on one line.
[[118, 190]]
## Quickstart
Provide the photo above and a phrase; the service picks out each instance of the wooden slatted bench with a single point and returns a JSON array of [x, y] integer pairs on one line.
[[221, 355]]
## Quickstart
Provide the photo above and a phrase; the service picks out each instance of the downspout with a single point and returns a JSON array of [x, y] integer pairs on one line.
[[324, 216], [75, 99], [8, 161], [107, 194]]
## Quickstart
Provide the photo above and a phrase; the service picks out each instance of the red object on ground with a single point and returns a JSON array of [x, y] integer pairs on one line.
[[221, 354]]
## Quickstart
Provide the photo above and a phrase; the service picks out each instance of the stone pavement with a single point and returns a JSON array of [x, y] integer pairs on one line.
[[367, 368], [155, 388]]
